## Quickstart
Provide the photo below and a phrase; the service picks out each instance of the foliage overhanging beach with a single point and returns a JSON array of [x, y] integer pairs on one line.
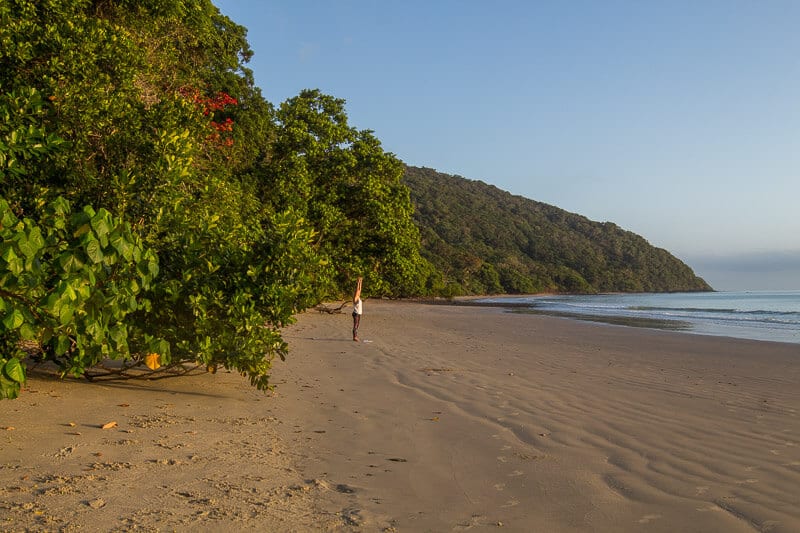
[[155, 208]]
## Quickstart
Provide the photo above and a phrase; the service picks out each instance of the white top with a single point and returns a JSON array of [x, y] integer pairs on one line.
[[357, 307]]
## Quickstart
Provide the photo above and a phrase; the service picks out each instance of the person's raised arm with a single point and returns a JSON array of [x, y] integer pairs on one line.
[[357, 294]]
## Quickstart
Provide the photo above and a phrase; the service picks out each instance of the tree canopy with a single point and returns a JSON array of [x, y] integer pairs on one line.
[[156, 209]]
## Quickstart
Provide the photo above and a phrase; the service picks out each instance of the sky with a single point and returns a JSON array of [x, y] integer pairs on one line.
[[677, 120]]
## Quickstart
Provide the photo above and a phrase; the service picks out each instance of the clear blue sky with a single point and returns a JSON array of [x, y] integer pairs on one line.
[[677, 120]]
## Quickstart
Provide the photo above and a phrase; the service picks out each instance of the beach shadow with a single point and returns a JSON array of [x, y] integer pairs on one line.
[[320, 339], [49, 372], [153, 386]]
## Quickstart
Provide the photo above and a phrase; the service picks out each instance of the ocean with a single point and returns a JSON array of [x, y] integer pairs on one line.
[[758, 315]]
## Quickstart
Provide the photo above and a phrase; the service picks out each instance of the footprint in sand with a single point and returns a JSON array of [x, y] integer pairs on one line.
[[714, 508], [499, 486], [345, 489], [516, 473], [510, 503], [63, 452], [701, 490]]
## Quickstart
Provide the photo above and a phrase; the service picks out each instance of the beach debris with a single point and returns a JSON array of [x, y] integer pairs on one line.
[[97, 503], [318, 483], [71, 424], [152, 361], [63, 452], [109, 425], [123, 405], [10, 428]]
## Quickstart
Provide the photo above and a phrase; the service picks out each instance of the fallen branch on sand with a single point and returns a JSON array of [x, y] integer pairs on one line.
[[322, 308]]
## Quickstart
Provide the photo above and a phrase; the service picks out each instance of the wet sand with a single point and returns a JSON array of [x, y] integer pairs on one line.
[[445, 418]]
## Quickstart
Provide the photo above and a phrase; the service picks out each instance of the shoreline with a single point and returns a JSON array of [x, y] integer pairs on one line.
[[695, 325], [445, 418]]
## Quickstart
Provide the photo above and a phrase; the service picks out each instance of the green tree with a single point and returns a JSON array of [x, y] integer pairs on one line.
[[350, 192], [68, 279], [145, 110], [148, 96]]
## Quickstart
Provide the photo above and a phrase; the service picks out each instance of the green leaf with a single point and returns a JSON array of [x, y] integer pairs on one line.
[[13, 320], [121, 245], [27, 248], [82, 230], [65, 314], [63, 344], [15, 263], [27, 332], [70, 262], [35, 239], [8, 389], [94, 251], [8, 252], [119, 334], [66, 291], [101, 223], [152, 268], [60, 206], [14, 370], [7, 217]]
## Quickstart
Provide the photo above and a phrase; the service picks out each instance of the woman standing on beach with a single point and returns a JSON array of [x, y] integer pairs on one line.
[[357, 309]]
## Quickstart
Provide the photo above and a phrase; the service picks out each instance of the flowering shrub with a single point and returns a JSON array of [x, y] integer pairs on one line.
[[214, 107]]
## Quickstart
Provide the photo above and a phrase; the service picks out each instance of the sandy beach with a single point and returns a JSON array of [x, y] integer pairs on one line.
[[445, 418]]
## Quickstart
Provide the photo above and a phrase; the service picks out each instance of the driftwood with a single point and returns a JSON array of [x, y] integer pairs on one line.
[[322, 308]]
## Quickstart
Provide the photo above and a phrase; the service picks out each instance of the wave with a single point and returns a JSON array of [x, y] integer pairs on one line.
[[762, 316], [731, 316], [706, 310]]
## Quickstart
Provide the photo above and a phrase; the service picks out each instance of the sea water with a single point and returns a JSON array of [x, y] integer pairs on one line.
[[767, 315]]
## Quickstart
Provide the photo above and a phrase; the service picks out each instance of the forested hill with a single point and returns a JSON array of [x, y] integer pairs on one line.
[[485, 240]]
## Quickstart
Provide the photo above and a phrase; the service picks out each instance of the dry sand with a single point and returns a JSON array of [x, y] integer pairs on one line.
[[445, 418]]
